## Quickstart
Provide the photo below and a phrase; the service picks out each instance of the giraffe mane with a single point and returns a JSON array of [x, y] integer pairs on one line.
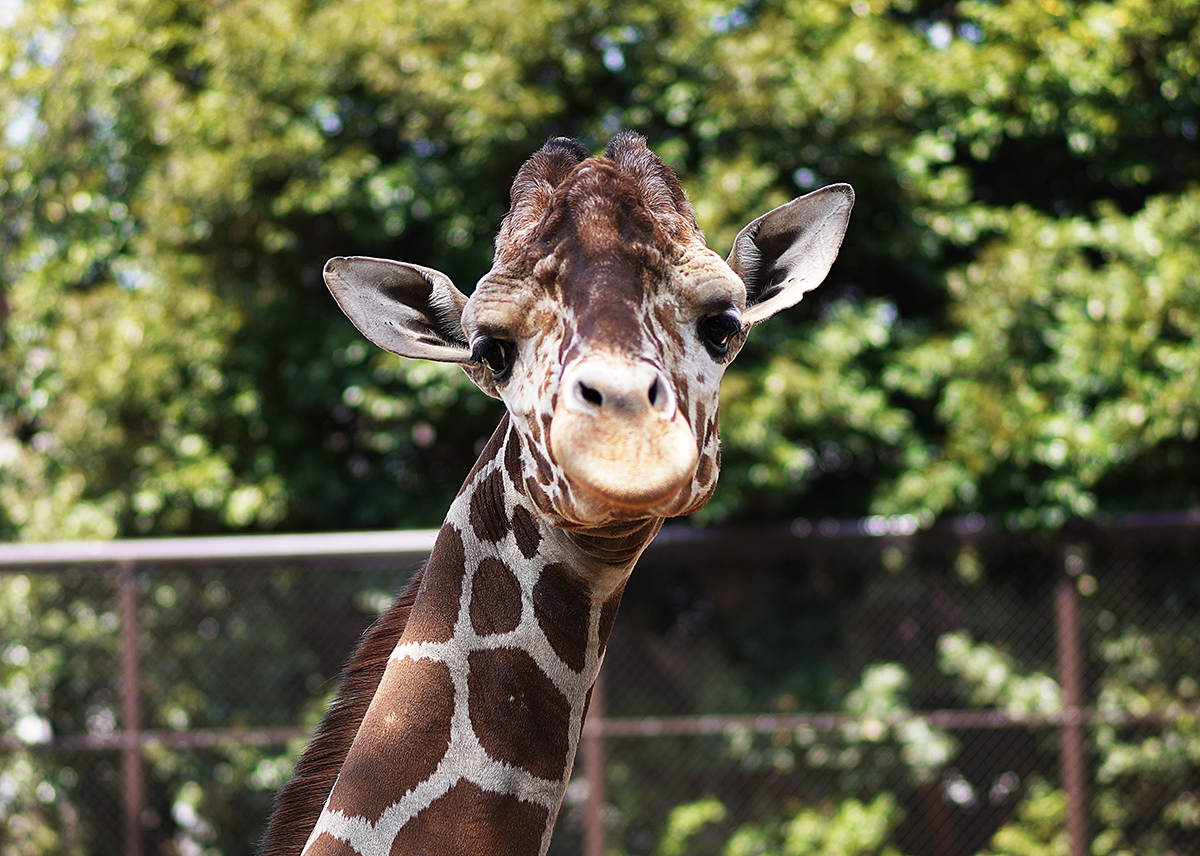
[[299, 804]]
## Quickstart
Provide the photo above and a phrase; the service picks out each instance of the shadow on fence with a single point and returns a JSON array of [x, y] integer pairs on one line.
[[830, 687]]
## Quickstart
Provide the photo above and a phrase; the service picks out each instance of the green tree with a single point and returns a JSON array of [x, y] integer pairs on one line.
[[1141, 800], [1010, 328], [849, 828]]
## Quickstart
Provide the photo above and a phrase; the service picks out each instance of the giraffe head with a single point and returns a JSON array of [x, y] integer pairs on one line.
[[604, 325]]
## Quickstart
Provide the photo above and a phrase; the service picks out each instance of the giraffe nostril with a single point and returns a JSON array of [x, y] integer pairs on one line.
[[591, 395], [624, 391]]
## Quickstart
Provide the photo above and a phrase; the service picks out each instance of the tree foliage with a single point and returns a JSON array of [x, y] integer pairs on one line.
[[1010, 329]]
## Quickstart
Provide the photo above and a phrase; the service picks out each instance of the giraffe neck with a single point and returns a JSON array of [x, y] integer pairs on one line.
[[468, 743]]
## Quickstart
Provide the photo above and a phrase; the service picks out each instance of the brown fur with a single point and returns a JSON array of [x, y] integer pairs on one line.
[[479, 814], [517, 713], [420, 696], [299, 804]]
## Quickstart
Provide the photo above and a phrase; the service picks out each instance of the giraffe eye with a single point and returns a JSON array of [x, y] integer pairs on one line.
[[717, 332], [496, 354]]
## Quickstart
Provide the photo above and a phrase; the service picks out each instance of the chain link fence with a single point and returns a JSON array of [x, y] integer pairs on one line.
[[825, 688]]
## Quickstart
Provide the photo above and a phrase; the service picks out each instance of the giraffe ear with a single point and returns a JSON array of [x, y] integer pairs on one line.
[[407, 309], [786, 252]]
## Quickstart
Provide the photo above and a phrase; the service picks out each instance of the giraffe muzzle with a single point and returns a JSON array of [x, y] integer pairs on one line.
[[619, 435]]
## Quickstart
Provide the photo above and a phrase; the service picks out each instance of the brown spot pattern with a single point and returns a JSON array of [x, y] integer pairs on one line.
[[464, 821], [563, 610], [538, 495], [327, 845], [525, 529], [704, 472], [512, 457], [487, 508], [545, 475], [683, 396], [508, 695], [435, 609], [535, 432], [667, 316], [709, 429], [587, 705], [413, 724], [495, 598], [608, 615]]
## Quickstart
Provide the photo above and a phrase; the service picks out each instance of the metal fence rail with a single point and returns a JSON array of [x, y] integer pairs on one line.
[[177, 681]]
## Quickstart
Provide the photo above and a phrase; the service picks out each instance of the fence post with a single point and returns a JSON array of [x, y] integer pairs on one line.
[[132, 769], [1070, 677], [593, 772]]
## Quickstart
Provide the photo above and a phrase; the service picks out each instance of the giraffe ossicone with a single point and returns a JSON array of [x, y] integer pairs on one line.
[[604, 325]]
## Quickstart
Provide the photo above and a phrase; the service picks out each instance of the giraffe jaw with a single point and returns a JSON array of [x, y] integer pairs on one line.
[[638, 465]]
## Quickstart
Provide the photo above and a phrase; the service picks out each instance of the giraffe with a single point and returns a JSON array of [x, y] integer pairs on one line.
[[604, 326]]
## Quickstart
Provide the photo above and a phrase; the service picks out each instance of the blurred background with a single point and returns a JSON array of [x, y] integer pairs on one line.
[[984, 423]]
